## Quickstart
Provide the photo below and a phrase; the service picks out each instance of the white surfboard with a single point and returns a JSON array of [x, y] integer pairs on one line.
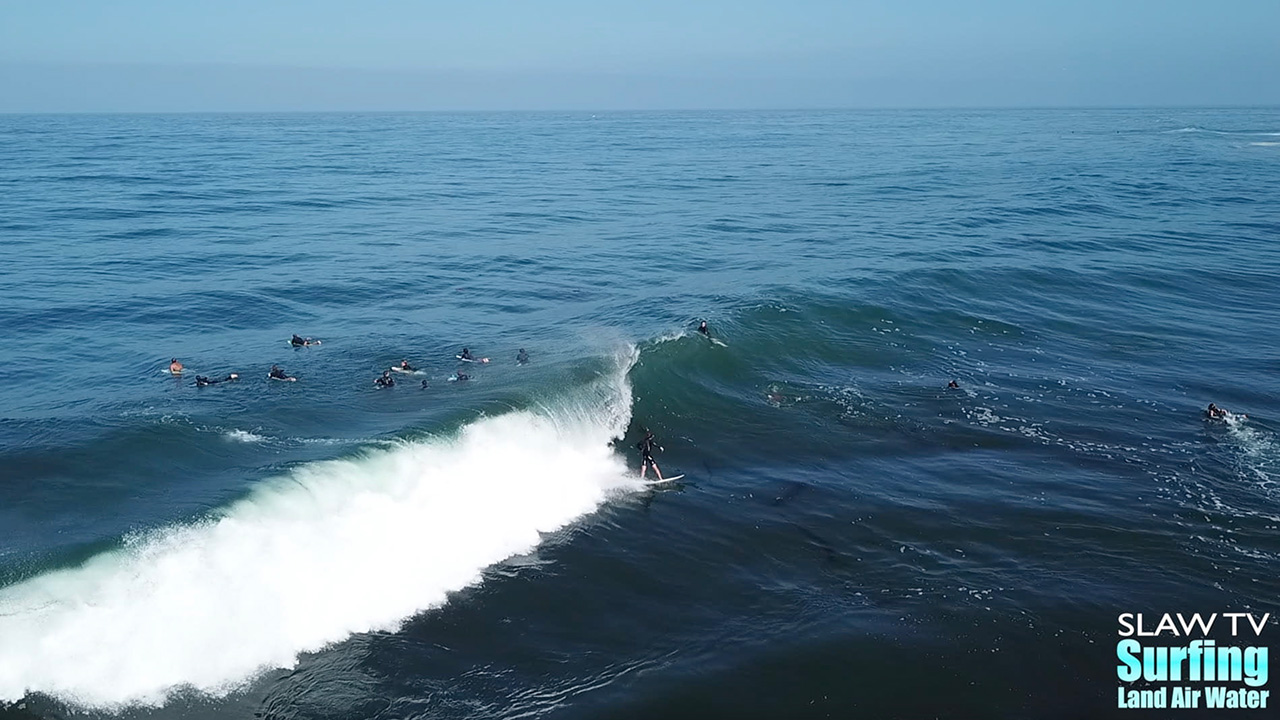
[[473, 360], [397, 368], [673, 478]]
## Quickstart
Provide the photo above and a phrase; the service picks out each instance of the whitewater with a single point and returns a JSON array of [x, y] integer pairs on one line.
[[312, 556]]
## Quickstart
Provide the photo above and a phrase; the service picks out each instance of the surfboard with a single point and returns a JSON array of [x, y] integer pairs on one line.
[[474, 360], [288, 379], [394, 368], [673, 478]]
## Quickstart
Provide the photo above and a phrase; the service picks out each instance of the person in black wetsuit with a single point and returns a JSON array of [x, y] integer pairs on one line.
[[702, 328], [202, 381], [278, 374], [953, 385], [465, 354], [646, 447], [461, 377], [298, 341], [385, 380], [522, 357], [404, 365], [1213, 412]]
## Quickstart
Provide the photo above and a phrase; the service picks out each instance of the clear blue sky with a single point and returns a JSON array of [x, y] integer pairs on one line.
[[92, 55]]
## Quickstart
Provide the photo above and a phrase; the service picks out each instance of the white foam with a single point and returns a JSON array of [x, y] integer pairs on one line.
[[333, 548], [244, 436], [1258, 452]]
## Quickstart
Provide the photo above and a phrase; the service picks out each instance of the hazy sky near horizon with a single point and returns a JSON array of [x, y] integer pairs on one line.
[[149, 55]]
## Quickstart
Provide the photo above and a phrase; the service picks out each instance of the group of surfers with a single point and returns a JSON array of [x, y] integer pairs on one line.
[[646, 446], [384, 380]]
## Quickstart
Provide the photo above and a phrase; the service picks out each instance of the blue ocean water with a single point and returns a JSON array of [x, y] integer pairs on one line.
[[852, 538]]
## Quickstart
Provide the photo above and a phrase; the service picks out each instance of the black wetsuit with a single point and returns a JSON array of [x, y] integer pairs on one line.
[[465, 355], [646, 449], [704, 329], [384, 381], [522, 357], [297, 341], [279, 374]]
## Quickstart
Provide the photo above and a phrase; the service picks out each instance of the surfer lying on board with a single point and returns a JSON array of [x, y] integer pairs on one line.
[[297, 341], [385, 380], [278, 374], [646, 454], [202, 381]]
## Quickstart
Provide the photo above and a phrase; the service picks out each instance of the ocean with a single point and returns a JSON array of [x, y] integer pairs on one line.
[[852, 538]]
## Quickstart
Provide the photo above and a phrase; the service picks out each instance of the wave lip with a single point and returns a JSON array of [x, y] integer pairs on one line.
[[333, 548]]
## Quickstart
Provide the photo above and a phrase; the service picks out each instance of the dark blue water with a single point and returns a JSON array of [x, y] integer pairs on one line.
[[851, 538]]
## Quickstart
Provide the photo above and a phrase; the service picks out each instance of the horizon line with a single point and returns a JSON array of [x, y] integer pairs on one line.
[[638, 110]]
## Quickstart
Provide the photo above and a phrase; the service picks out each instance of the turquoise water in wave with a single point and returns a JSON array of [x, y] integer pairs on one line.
[[851, 538]]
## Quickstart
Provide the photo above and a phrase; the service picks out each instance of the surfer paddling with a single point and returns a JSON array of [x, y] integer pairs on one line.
[[646, 447], [298, 341], [278, 374], [1213, 412], [202, 381]]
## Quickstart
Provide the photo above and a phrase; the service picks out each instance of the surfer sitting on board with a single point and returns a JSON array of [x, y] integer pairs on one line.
[[405, 366], [466, 356], [646, 447], [297, 341], [522, 357], [278, 374], [202, 381], [175, 367], [385, 380]]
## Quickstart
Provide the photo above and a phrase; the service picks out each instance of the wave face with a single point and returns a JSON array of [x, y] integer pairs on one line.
[[310, 557]]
